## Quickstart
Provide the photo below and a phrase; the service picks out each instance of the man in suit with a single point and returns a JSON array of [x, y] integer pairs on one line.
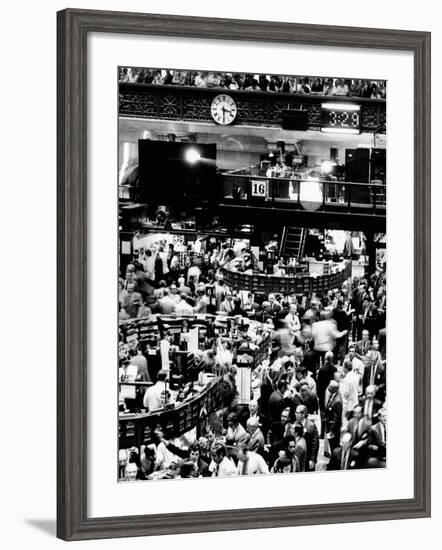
[[256, 441], [285, 421], [364, 345], [344, 457], [353, 423], [367, 318], [167, 304], [276, 401], [333, 415], [132, 300], [359, 428], [252, 412], [374, 374], [382, 339], [300, 449], [377, 441], [277, 440], [370, 405], [343, 325], [381, 305], [294, 454], [326, 374], [309, 398], [311, 437], [236, 434], [274, 306]]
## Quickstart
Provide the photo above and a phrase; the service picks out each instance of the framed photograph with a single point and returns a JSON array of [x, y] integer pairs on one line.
[[230, 194]]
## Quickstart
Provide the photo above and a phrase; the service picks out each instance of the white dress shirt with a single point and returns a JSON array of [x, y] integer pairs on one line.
[[254, 465]]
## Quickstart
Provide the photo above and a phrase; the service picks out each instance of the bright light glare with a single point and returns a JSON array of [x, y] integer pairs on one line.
[[192, 156], [329, 130], [327, 167], [311, 193], [341, 106]]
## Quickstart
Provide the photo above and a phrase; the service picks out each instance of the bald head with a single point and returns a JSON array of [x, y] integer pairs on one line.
[[328, 357]]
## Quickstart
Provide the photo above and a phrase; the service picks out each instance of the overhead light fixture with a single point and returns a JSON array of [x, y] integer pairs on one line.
[[192, 156], [341, 106], [340, 130]]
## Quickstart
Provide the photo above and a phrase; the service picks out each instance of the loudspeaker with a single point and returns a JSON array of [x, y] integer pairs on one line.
[[294, 120], [357, 169], [378, 164], [357, 165], [167, 177], [333, 154]]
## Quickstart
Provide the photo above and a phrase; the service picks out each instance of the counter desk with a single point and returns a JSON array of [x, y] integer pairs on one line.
[[302, 283], [135, 429]]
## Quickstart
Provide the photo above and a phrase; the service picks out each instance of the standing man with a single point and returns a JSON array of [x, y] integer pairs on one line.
[[221, 465], [311, 437], [333, 415], [132, 300], [344, 457], [343, 325], [276, 401], [358, 366], [349, 389], [249, 462], [377, 441], [285, 421], [364, 345], [301, 446], [153, 396], [370, 405], [326, 374], [256, 442]]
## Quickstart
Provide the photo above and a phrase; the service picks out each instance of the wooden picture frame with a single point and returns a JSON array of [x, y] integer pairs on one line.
[[73, 29]]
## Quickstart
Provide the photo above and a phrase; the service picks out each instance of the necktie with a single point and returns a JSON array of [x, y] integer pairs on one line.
[[372, 374], [366, 407], [369, 408]]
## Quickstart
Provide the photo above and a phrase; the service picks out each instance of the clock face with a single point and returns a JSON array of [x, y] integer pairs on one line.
[[223, 109]]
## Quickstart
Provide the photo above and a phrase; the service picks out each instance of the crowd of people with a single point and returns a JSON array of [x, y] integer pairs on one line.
[[318, 398], [257, 82]]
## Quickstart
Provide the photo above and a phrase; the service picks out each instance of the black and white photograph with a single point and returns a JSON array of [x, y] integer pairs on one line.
[[252, 295]]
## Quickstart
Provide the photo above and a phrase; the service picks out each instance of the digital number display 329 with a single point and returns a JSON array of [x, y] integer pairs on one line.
[[340, 118]]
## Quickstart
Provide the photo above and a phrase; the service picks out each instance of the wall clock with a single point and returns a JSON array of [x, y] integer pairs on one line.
[[223, 109]]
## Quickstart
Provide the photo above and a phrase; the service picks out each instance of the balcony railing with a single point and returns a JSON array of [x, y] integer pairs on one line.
[[305, 194], [254, 109]]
